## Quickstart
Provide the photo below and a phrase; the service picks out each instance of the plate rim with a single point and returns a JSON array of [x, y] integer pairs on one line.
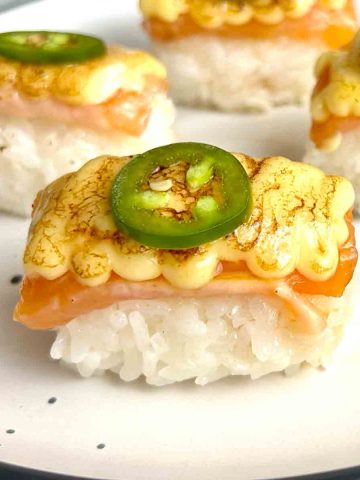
[[349, 473]]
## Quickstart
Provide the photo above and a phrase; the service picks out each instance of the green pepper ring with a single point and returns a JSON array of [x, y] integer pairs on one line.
[[57, 48], [168, 233]]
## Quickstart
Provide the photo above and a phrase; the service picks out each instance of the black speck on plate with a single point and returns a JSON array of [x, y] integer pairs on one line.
[[16, 279]]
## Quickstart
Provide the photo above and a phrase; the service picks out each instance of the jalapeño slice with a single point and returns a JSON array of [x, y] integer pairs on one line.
[[181, 196], [41, 47]]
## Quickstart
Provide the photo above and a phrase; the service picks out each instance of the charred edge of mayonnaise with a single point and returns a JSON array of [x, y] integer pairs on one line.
[[297, 223], [210, 14], [88, 83]]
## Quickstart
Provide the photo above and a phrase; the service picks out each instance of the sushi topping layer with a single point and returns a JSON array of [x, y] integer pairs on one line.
[[181, 196], [320, 22], [42, 47], [297, 224], [214, 13], [88, 83], [336, 100]]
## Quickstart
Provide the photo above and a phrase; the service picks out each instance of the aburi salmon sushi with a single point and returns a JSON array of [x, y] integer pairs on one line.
[[245, 54], [335, 111], [189, 262], [66, 98]]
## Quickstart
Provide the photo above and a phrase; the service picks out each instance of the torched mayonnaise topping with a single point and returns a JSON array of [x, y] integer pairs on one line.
[[341, 95], [215, 13], [297, 223], [338, 91], [86, 83]]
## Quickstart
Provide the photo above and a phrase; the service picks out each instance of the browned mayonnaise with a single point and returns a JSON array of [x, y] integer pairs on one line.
[[297, 223], [210, 14], [81, 84], [340, 95]]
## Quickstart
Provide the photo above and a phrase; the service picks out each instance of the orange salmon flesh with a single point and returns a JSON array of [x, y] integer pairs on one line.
[[321, 131], [125, 112], [46, 304]]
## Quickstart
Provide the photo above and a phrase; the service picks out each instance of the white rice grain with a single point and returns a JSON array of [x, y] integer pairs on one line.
[[237, 74], [196, 339]]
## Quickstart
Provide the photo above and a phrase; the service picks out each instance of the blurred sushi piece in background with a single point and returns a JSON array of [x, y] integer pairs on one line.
[[335, 109], [245, 54], [65, 98]]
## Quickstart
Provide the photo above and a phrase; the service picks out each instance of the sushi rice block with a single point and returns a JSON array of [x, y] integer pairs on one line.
[[245, 54], [57, 113], [335, 109], [188, 262]]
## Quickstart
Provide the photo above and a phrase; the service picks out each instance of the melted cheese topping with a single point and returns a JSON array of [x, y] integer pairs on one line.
[[215, 13], [87, 83], [297, 223], [340, 95]]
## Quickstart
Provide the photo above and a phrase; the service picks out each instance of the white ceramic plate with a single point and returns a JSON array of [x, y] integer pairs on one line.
[[234, 429]]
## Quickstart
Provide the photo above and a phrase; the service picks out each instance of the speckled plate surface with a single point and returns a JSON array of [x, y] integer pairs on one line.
[[100, 428]]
